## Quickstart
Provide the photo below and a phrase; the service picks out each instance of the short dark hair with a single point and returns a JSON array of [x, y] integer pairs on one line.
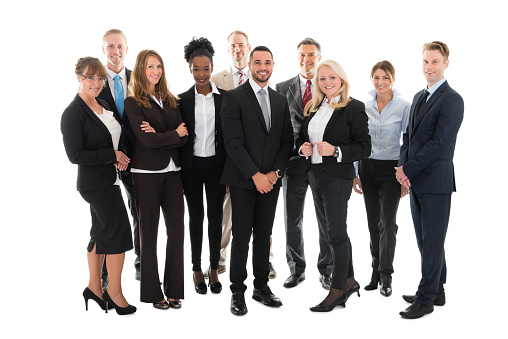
[[260, 49], [310, 41]]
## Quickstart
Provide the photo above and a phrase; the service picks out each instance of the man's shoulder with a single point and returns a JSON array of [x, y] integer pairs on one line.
[[283, 86], [223, 73]]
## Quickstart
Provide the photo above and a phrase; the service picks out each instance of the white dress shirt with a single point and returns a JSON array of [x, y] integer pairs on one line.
[[303, 84], [114, 128], [111, 81], [204, 123]]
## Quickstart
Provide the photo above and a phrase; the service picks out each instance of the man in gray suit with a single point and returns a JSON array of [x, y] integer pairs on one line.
[[298, 91], [237, 74]]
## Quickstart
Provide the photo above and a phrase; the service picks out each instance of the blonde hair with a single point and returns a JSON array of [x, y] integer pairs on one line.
[[317, 93], [113, 31], [437, 46], [138, 85]]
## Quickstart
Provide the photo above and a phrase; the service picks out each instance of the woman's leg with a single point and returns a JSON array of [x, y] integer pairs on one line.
[[95, 263], [114, 263]]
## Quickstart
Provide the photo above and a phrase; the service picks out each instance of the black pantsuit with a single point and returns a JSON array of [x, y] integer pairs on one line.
[[381, 192], [153, 192], [207, 172]]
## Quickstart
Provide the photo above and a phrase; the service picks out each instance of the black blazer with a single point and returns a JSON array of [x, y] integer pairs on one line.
[[88, 144], [428, 147], [250, 147], [348, 128], [153, 151], [187, 105]]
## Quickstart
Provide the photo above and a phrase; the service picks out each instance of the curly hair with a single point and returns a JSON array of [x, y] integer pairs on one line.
[[198, 47]]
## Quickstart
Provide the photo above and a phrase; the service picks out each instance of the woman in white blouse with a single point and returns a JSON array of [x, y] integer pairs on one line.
[[333, 136], [388, 118], [91, 136], [203, 159]]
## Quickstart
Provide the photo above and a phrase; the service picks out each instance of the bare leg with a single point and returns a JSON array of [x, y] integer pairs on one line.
[[114, 263], [95, 262]]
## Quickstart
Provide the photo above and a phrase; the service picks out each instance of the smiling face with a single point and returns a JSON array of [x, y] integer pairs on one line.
[[381, 81], [308, 57], [261, 67], [239, 48], [91, 85], [434, 65], [153, 72], [115, 48], [329, 82], [201, 69]]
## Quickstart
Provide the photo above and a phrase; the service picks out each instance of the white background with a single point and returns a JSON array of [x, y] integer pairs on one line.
[[46, 223]]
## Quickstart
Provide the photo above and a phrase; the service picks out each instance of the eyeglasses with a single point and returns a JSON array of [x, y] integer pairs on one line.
[[92, 78]]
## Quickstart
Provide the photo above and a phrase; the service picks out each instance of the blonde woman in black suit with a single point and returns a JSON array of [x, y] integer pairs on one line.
[[157, 124], [333, 136], [91, 135], [203, 159]]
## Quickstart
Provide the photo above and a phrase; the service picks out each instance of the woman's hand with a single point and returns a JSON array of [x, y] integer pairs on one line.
[[122, 161], [403, 191], [145, 126], [182, 130], [325, 149], [306, 149], [357, 185]]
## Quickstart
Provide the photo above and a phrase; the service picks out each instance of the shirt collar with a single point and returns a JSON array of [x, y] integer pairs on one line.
[[396, 93], [112, 74], [434, 87], [244, 70], [304, 81], [214, 89], [256, 87]]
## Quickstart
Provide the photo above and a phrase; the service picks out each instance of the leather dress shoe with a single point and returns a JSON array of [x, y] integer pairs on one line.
[[266, 296], [293, 280], [238, 306], [201, 287], [163, 305], [354, 289], [439, 301], [272, 274], [415, 311], [341, 300], [175, 304], [386, 289], [372, 285], [326, 281]]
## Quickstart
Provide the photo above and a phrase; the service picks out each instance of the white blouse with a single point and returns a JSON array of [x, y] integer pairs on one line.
[[114, 128]]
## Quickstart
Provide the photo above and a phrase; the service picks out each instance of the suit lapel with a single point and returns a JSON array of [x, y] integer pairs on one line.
[[296, 92], [426, 107], [93, 116], [335, 115], [217, 99], [255, 103]]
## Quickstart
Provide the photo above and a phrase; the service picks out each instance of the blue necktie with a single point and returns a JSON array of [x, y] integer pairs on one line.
[[119, 95]]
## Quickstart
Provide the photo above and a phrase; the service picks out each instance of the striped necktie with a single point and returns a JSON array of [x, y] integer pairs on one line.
[[240, 81], [307, 95]]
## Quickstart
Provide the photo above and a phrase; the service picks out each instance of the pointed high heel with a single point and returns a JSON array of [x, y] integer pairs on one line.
[[88, 294], [119, 310], [341, 300], [215, 288]]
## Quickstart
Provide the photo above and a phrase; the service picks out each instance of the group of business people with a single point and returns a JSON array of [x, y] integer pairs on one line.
[[242, 143]]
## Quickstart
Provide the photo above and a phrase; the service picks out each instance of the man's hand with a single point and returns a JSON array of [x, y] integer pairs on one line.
[[262, 182], [401, 177]]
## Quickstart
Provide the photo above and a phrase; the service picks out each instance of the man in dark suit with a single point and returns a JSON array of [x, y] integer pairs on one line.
[[258, 139], [298, 91], [426, 166], [114, 92]]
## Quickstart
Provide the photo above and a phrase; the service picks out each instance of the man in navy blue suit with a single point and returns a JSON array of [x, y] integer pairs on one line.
[[426, 166]]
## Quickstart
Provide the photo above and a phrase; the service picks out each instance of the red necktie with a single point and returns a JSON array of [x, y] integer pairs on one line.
[[241, 78], [307, 95]]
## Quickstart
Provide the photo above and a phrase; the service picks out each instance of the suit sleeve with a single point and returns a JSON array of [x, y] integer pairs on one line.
[[360, 145], [232, 130], [169, 139], [287, 142], [72, 128], [448, 123]]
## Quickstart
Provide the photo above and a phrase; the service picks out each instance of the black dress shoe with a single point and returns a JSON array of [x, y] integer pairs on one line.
[[326, 281], [266, 296], [238, 306], [163, 305], [341, 300], [372, 285], [439, 301], [386, 289], [293, 280], [201, 287], [175, 304], [416, 311]]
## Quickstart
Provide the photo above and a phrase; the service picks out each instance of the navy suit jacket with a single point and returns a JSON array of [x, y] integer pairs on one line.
[[429, 142]]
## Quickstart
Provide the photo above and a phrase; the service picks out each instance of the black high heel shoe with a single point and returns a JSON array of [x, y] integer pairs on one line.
[[201, 287], [119, 310], [88, 294], [353, 289], [215, 288], [341, 300]]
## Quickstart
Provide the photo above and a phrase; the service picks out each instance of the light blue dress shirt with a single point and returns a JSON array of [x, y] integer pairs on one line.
[[434, 87]]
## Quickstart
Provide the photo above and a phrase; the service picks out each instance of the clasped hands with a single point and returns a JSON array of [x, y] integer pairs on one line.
[[122, 161], [402, 177], [264, 182], [323, 148]]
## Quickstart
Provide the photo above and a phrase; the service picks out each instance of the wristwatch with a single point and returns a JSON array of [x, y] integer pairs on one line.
[[336, 152], [279, 173]]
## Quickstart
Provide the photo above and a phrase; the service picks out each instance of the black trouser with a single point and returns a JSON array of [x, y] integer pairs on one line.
[[204, 171], [331, 195], [381, 193], [253, 213], [294, 184]]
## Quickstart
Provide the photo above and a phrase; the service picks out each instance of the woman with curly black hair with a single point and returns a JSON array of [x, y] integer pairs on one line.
[[203, 159]]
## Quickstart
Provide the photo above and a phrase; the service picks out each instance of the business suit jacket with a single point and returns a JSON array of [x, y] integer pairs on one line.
[[224, 79], [347, 128], [429, 142], [250, 147], [88, 144], [153, 151], [187, 105]]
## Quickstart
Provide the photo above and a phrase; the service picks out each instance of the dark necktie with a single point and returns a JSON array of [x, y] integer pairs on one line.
[[307, 95], [419, 105]]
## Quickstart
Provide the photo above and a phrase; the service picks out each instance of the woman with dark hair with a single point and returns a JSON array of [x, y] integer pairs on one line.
[[203, 159], [388, 118], [155, 171], [334, 135], [91, 135]]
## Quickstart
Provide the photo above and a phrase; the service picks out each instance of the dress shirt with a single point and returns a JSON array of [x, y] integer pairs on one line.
[[171, 167], [434, 88], [256, 89], [114, 128], [386, 128], [303, 84], [236, 76], [317, 127], [204, 123], [111, 81]]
